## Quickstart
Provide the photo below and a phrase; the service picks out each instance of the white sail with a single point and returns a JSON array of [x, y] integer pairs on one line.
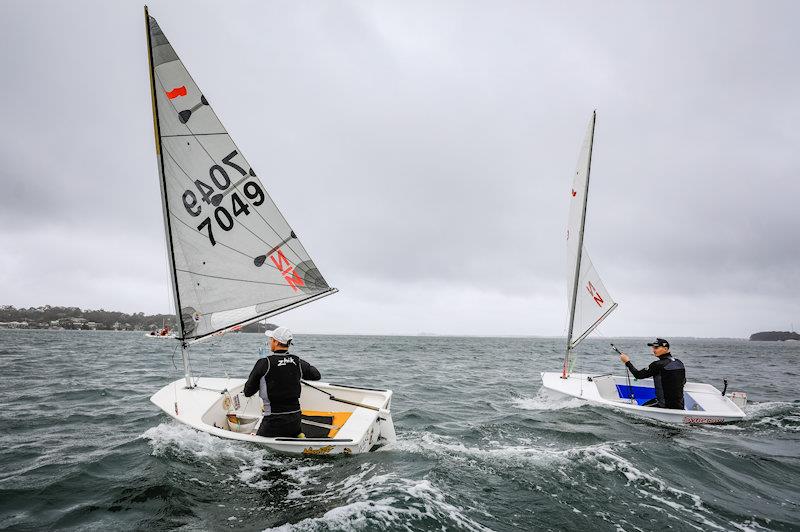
[[593, 302], [588, 298], [234, 258]]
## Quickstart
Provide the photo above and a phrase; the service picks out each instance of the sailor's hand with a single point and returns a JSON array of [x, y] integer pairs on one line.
[[624, 358]]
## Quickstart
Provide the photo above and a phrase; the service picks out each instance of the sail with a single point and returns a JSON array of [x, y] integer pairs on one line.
[[234, 258], [589, 300]]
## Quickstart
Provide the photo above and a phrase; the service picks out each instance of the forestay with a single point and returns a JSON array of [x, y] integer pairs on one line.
[[588, 298], [234, 259]]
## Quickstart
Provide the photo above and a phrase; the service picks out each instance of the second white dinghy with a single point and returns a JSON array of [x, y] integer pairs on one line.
[[234, 260], [589, 304]]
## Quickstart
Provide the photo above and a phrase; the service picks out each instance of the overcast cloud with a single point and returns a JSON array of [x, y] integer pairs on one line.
[[423, 151]]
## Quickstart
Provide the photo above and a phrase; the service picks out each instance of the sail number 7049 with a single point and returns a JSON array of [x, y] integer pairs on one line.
[[219, 177]]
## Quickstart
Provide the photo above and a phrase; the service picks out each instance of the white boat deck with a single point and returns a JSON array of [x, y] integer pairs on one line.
[[703, 402], [206, 406]]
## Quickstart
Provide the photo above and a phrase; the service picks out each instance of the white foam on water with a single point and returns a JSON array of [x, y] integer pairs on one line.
[[294, 471], [427, 443], [544, 400], [598, 455], [373, 500], [360, 515], [787, 423], [303, 477], [188, 443], [650, 486], [184, 440], [757, 409], [771, 415], [749, 526], [722, 427], [377, 501], [669, 499]]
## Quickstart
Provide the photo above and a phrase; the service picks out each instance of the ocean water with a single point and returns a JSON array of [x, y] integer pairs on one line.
[[480, 446]]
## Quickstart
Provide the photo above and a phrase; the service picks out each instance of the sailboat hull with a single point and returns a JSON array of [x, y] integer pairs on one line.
[[704, 403], [207, 407]]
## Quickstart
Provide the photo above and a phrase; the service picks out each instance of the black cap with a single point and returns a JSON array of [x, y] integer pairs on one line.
[[660, 342]]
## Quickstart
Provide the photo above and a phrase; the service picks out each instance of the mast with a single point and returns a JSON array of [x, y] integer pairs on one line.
[[580, 252], [165, 203]]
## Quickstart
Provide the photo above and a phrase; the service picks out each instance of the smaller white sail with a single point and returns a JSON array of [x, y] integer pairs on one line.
[[588, 298], [593, 302]]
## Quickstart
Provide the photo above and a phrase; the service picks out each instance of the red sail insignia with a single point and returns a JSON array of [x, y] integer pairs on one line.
[[177, 91], [287, 269], [595, 294]]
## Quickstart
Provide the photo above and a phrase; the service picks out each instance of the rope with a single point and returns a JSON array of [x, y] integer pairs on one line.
[[630, 388], [627, 371], [339, 399], [173, 356], [627, 377]]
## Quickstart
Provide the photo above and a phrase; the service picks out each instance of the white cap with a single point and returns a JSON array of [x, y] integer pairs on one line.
[[281, 334]]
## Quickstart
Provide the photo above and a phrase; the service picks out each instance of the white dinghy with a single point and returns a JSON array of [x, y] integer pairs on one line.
[[170, 336], [165, 332], [589, 304], [234, 260]]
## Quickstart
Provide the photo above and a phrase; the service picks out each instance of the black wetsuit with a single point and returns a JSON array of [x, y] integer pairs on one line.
[[669, 376], [277, 378]]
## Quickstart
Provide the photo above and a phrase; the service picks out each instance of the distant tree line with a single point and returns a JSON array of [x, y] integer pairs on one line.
[[47, 317], [50, 317]]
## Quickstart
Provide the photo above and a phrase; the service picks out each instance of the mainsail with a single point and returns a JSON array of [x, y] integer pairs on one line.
[[589, 300], [233, 257]]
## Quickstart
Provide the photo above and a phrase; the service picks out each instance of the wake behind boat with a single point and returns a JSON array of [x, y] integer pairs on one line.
[[234, 260], [590, 303]]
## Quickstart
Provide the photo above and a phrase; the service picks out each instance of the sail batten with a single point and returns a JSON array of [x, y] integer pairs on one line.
[[234, 259], [592, 327], [234, 279], [264, 316]]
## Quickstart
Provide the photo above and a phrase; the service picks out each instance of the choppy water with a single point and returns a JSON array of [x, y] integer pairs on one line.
[[479, 447]]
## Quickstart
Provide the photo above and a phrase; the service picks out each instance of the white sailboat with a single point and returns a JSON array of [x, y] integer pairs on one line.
[[590, 303], [234, 260], [164, 333]]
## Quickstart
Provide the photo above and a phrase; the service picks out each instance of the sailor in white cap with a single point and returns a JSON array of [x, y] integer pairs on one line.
[[276, 378]]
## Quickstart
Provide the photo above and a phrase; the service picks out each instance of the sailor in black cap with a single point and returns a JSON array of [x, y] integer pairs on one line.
[[668, 374]]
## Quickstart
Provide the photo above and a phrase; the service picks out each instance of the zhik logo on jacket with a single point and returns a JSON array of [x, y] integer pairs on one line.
[[284, 361]]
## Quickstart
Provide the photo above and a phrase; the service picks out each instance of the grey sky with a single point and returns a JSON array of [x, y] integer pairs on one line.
[[423, 152]]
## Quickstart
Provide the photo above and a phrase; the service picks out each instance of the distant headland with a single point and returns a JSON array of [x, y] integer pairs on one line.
[[775, 336], [74, 318]]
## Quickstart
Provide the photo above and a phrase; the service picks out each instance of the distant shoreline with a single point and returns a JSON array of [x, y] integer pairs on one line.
[[49, 317], [643, 339], [775, 336]]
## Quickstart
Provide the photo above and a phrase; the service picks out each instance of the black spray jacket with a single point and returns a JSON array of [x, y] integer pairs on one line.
[[669, 376], [277, 380]]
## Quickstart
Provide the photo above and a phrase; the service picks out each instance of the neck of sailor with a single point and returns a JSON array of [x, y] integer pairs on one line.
[[277, 347]]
